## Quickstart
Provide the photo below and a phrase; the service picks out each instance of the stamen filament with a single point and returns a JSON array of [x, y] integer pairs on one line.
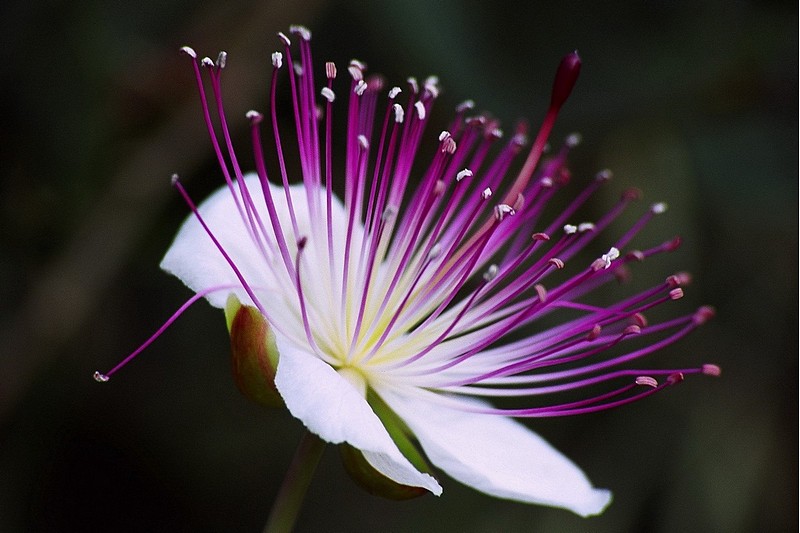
[[186, 305]]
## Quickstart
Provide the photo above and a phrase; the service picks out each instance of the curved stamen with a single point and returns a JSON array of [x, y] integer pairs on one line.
[[211, 132], [176, 182], [401, 300], [276, 65], [301, 244], [102, 378]]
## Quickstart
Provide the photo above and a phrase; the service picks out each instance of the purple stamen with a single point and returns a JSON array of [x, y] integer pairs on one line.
[[176, 182], [278, 147], [210, 127], [102, 378], [426, 278]]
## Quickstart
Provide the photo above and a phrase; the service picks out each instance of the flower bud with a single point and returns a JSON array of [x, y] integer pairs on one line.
[[566, 76], [254, 355]]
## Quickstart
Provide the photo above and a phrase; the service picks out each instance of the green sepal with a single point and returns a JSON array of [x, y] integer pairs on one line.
[[370, 479], [398, 431], [254, 355]]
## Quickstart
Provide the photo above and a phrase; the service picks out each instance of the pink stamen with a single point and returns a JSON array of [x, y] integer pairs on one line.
[[301, 244], [210, 127], [330, 70], [178, 185], [277, 229], [102, 378], [411, 255]]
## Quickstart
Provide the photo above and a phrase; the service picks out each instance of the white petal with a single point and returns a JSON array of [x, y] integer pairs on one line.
[[331, 407], [196, 261], [496, 455]]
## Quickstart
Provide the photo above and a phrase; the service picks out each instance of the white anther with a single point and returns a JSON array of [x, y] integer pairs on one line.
[[501, 210], [449, 145], [497, 133], [573, 140], [490, 273], [585, 226], [569, 229], [360, 65], [330, 70], [277, 59], [646, 381], [607, 258], [604, 175], [100, 378], [328, 94], [435, 251], [541, 292], [444, 135], [633, 329], [466, 173], [286, 41], [302, 31], [189, 51], [361, 86], [222, 58], [363, 142], [432, 85], [487, 193], [463, 106], [520, 139], [394, 91], [254, 116], [356, 70], [658, 208], [546, 181], [414, 85], [207, 62], [298, 69], [420, 110], [399, 113]]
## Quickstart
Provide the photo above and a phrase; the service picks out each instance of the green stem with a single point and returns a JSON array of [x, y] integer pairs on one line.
[[293, 490]]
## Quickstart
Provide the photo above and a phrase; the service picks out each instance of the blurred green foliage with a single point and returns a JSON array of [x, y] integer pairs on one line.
[[694, 102]]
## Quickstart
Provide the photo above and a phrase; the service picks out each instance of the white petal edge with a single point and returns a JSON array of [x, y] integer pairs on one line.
[[194, 258], [330, 407], [496, 455]]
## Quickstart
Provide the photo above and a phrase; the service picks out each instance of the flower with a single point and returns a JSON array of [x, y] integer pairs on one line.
[[401, 310]]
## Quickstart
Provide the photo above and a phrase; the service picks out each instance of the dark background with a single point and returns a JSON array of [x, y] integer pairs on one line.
[[694, 102]]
